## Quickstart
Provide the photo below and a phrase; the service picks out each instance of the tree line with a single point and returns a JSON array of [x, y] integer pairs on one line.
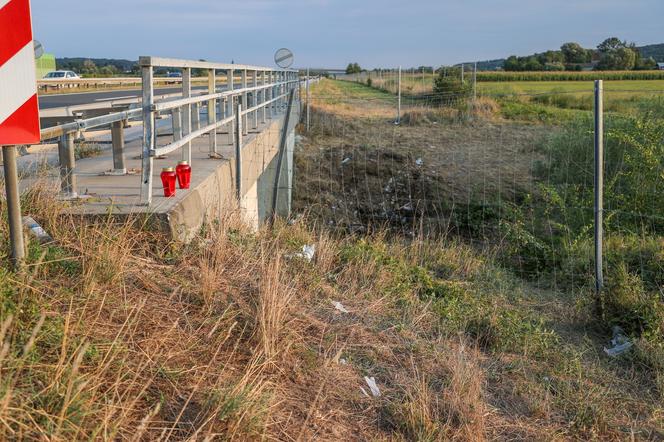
[[612, 54]]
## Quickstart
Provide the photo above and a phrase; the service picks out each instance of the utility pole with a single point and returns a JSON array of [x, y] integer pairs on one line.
[[462, 79]]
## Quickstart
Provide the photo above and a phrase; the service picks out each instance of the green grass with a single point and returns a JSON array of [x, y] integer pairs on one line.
[[611, 88]]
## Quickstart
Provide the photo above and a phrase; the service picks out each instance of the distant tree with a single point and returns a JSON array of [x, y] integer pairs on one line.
[[611, 44], [616, 55], [646, 64], [575, 53], [89, 67], [353, 68], [512, 64], [533, 64], [555, 66]]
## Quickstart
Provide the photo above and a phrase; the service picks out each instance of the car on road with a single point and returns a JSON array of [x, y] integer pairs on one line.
[[62, 75]]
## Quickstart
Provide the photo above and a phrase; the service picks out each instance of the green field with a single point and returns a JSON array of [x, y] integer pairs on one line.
[[633, 87]]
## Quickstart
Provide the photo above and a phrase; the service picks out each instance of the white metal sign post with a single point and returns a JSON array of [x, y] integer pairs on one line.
[[19, 109]]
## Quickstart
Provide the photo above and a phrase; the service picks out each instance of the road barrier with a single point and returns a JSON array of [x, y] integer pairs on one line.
[[262, 93], [51, 84]]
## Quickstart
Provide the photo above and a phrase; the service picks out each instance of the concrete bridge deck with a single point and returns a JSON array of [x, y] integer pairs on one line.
[[213, 182]]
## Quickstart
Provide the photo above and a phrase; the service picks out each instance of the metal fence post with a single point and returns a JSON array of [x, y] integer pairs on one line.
[[475, 82], [186, 93], [308, 102], [238, 151], [212, 112], [399, 98], [599, 185], [13, 206], [148, 135], [67, 154]]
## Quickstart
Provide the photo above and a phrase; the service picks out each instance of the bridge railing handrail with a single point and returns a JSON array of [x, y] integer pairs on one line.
[[267, 93], [267, 97]]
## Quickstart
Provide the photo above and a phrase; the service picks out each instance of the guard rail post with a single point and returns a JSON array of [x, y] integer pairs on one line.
[[238, 152], [118, 143], [254, 98], [186, 127], [147, 160], [229, 105], [245, 126], [263, 96], [67, 157], [212, 112]]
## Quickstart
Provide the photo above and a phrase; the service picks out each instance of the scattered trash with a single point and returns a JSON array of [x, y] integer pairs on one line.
[[371, 382], [339, 306], [408, 207], [343, 361], [36, 230], [620, 343], [307, 253], [419, 161], [346, 160]]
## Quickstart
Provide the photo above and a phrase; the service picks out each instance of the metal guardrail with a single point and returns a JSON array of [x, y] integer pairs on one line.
[[261, 94], [47, 84]]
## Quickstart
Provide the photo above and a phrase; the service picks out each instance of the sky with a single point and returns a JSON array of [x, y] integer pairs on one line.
[[332, 33]]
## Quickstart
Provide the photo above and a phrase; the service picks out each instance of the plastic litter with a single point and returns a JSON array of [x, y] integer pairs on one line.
[[620, 343], [307, 253], [419, 161], [371, 382], [36, 230], [345, 160], [339, 306]]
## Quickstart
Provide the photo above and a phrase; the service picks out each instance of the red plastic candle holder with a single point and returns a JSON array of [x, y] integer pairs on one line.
[[168, 178], [183, 171]]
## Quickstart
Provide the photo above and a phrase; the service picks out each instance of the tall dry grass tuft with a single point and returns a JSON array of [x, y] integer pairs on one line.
[[442, 399], [272, 308]]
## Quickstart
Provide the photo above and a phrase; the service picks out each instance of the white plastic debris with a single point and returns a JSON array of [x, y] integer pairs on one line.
[[343, 361], [419, 161], [307, 253], [345, 160], [620, 343], [36, 230], [339, 306], [371, 382]]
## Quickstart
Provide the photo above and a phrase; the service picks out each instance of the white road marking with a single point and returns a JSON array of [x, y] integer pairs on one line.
[[116, 98]]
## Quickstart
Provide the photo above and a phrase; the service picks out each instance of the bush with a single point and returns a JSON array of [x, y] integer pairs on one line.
[[450, 90]]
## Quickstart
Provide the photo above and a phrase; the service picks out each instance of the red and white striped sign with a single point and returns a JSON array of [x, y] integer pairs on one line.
[[19, 109]]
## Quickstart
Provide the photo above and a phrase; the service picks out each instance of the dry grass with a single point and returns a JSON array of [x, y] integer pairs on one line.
[[367, 172], [116, 333]]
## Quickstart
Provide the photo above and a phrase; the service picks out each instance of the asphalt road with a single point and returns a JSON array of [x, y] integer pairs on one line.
[[76, 99]]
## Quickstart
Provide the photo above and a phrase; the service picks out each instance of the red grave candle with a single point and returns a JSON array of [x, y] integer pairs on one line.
[[168, 178], [183, 171]]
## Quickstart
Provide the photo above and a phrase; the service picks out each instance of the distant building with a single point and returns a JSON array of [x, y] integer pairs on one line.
[[660, 66], [45, 64]]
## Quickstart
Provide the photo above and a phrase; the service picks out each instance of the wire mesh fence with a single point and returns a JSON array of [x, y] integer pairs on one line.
[[509, 169]]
